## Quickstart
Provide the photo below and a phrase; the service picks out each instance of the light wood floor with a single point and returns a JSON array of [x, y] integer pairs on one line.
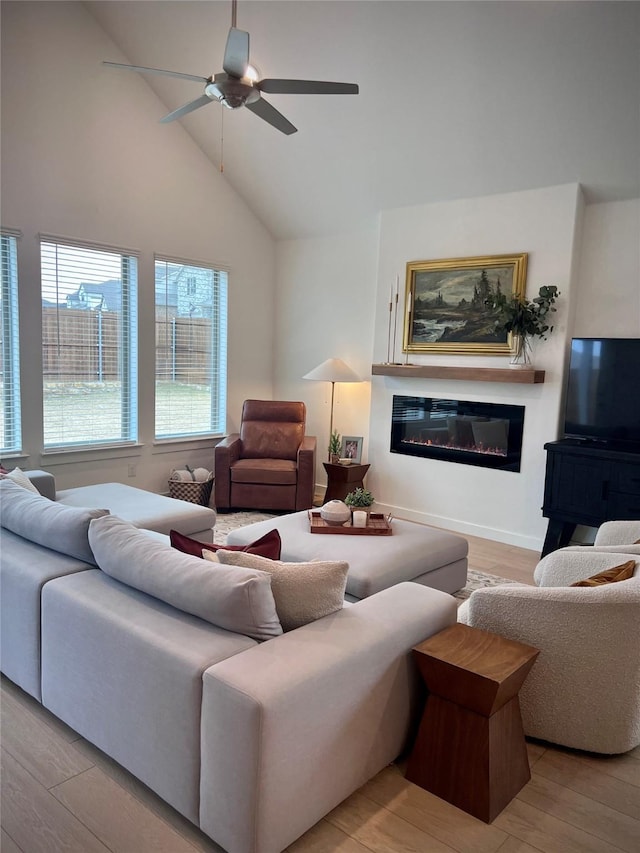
[[62, 795]]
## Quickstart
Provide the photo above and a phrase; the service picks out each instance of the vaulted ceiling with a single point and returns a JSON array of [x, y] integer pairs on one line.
[[457, 99]]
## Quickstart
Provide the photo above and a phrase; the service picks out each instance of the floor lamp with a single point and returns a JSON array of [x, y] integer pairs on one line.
[[332, 370]]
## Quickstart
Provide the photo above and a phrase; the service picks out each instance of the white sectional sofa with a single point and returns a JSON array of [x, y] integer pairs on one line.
[[144, 509], [253, 741]]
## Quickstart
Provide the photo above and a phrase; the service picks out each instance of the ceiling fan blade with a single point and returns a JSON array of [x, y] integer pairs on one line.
[[236, 53], [264, 110], [306, 87], [202, 101], [157, 71]]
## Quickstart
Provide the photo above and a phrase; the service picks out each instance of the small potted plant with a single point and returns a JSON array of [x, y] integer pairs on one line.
[[524, 319], [335, 444], [359, 499]]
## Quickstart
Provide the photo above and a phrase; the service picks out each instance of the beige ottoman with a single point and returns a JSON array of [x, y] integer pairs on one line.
[[144, 509], [413, 552]]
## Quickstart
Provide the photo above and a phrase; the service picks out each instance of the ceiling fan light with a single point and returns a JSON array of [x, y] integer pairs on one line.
[[253, 73]]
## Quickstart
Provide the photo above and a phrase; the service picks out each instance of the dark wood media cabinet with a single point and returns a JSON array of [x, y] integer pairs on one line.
[[587, 484]]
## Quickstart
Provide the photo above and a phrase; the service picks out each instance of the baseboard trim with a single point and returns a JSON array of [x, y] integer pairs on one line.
[[495, 534], [508, 537]]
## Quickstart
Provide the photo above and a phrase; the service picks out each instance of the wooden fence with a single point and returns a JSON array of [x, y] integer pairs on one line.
[[183, 350], [84, 346]]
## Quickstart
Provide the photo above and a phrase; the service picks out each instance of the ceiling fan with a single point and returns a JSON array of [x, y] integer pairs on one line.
[[233, 88]]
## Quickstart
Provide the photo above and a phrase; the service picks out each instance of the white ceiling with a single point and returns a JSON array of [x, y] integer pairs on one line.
[[457, 99]]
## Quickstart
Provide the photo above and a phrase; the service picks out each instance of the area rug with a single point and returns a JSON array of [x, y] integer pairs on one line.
[[477, 580], [231, 520]]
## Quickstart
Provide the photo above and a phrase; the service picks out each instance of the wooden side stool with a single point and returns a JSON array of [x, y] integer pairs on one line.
[[470, 749], [342, 479]]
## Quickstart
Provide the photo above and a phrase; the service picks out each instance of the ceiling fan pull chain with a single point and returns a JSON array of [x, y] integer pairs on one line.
[[222, 143]]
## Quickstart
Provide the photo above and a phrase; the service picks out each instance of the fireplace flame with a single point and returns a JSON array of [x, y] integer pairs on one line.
[[467, 448]]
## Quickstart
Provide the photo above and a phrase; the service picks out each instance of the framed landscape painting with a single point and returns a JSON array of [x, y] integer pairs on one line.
[[445, 303]]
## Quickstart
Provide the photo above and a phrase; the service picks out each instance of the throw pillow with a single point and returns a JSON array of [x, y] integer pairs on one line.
[[618, 573], [268, 545], [237, 599], [303, 592], [18, 476], [53, 525], [211, 556]]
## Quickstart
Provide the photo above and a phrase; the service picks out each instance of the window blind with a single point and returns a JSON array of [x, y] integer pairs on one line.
[[10, 423], [89, 344], [191, 349]]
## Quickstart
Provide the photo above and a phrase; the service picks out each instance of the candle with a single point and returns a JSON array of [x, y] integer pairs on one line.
[[359, 518]]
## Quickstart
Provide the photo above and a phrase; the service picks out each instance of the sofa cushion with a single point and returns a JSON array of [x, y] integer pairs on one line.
[[303, 592], [270, 472], [18, 476], [61, 528], [145, 509], [266, 546], [26, 568], [238, 599], [617, 573], [125, 671]]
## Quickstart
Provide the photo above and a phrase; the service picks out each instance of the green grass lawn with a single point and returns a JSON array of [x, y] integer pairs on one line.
[[92, 411]]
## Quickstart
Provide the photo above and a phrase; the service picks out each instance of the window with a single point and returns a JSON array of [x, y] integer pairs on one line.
[[89, 350], [191, 349], [10, 427]]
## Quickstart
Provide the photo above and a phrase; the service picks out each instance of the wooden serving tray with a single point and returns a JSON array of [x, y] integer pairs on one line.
[[377, 526]]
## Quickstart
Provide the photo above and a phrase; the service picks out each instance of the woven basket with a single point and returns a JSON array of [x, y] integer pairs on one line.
[[195, 493]]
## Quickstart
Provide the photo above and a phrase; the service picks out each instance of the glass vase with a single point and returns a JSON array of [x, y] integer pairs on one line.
[[521, 352]]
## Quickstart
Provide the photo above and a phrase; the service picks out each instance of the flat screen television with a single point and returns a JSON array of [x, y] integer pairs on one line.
[[603, 392]]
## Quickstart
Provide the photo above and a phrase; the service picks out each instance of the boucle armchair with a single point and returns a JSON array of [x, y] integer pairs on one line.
[[618, 533], [584, 689]]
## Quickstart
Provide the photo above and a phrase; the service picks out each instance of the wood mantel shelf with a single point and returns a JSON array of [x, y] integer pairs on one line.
[[522, 375]]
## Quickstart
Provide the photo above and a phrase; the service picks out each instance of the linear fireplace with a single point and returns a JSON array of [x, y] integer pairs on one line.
[[484, 434]]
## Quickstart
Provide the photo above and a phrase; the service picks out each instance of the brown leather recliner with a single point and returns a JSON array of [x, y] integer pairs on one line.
[[270, 463]]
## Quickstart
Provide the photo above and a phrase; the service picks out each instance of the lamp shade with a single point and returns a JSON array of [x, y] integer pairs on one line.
[[333, 370]]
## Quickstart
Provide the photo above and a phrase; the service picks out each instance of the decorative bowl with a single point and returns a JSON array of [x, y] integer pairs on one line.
[[335, 513], [344, 460]]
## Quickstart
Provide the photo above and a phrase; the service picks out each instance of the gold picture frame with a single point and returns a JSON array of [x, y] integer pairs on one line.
[[445, 309]]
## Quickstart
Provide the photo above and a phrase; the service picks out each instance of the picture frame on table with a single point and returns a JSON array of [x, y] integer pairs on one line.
[[445, 310], [352, 448]]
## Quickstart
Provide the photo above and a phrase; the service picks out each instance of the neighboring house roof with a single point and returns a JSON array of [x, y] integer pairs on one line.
[[97, 296], [184, 288]]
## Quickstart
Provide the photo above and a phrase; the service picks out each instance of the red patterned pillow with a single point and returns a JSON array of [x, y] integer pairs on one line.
[[267, 546]]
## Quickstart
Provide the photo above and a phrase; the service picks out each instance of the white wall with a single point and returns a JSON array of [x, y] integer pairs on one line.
[[326, 307], [501, 505], [609, 272], [591, 253], [83, 156]]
